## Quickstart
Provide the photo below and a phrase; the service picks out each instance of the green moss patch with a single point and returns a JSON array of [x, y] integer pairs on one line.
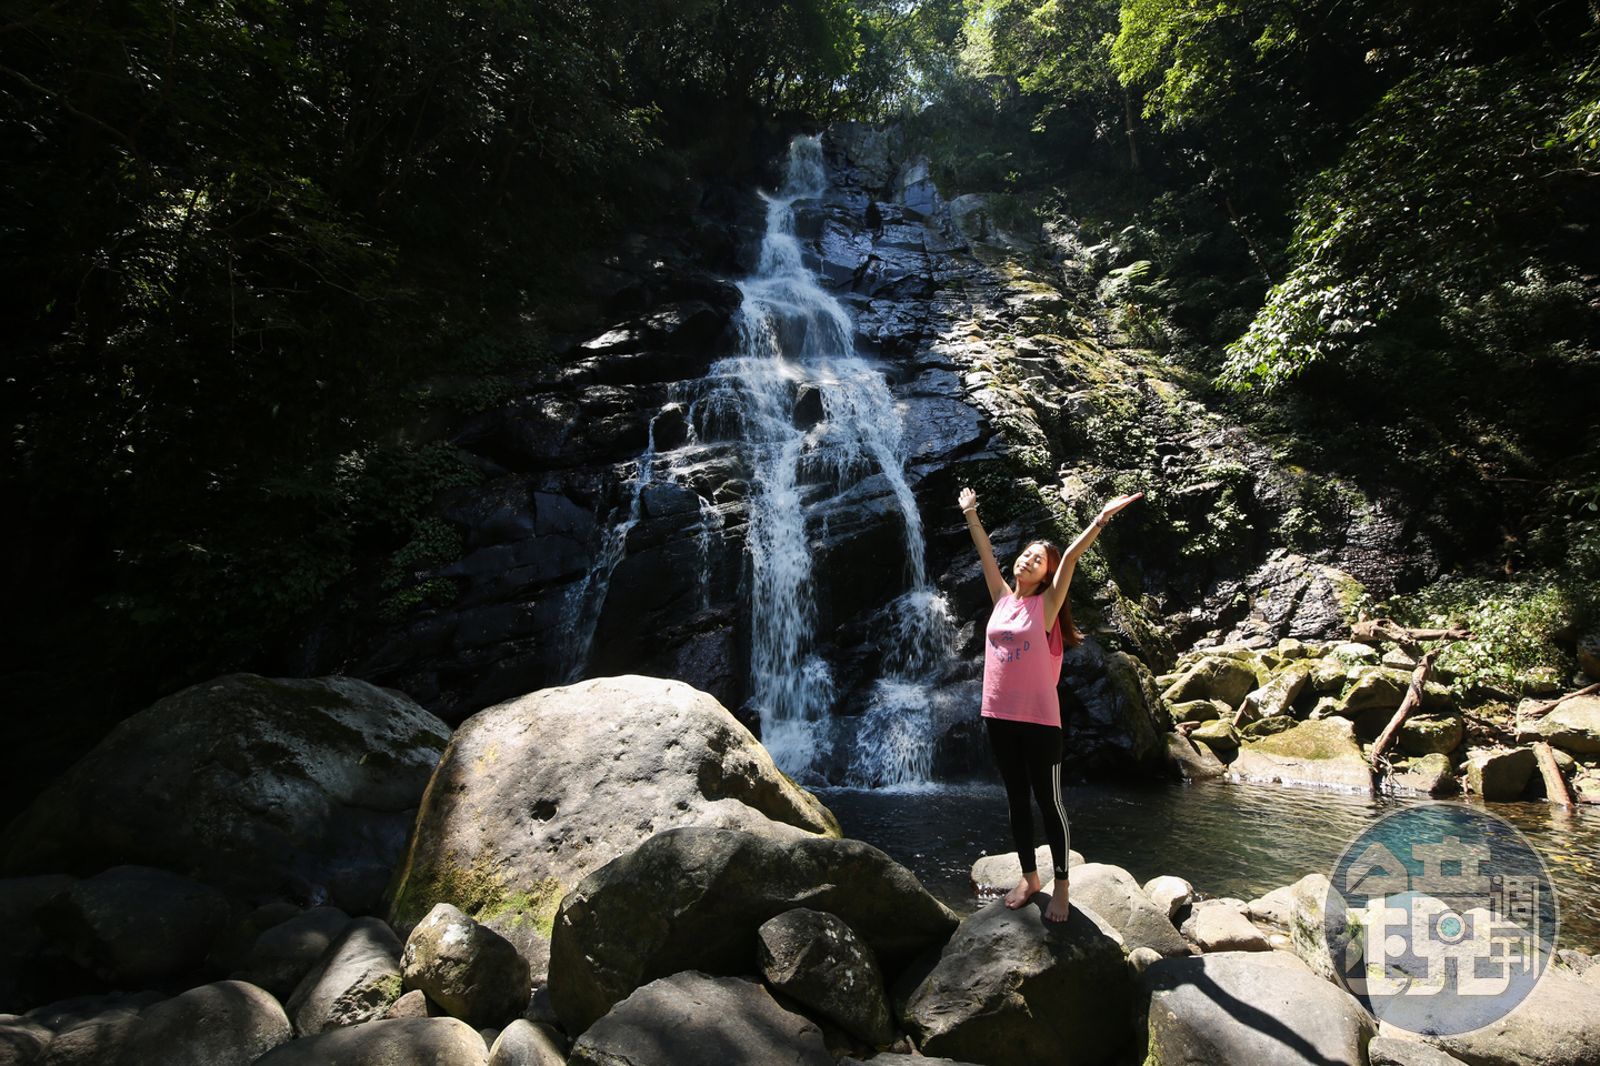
[[480, 892]]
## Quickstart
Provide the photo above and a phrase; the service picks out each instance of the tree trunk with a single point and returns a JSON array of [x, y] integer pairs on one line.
[[1133, 143]]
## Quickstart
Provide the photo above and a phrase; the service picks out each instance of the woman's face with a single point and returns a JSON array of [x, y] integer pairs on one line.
[[1030, 566]]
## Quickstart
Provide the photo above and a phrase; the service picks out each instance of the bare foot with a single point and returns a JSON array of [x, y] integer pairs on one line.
[[1019, 896], [1059, 908]]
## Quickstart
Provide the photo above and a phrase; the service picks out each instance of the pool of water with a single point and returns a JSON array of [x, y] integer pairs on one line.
[[1226, 839]]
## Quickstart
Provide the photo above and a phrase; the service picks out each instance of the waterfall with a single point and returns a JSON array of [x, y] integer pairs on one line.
[[795, 338], [587, 599], [814, 422]]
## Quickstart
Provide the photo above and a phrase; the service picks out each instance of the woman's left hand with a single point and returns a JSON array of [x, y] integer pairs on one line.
[[1113, 506]]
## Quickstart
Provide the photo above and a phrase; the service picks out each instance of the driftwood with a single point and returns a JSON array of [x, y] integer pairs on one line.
[[1419, 678], [1370, 629], [1555, 786], [1545, 708]]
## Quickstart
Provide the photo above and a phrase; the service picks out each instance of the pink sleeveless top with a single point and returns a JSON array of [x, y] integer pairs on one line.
[[1022, 664]]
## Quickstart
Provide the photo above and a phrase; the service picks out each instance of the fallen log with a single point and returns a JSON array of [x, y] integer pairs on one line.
[[1555, 786], [1371, 629], [1545, 708], [1419, 678]]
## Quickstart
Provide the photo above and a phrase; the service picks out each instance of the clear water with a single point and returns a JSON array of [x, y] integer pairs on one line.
[[1225, 839]]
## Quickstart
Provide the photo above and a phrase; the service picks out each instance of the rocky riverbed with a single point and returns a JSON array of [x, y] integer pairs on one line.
[[1309, 713], [609, 872]]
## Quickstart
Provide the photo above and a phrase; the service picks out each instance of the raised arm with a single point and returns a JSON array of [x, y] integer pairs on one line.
[[980, 540], [1056, 594]]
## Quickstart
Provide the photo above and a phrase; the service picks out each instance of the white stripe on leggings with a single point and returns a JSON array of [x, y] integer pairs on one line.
[[1066, 829]]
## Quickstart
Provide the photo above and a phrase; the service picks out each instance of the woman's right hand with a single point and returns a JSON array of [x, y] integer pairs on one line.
[[968, 500]]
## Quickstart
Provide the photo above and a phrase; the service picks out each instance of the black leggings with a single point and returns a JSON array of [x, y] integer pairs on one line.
[[1029, 757]]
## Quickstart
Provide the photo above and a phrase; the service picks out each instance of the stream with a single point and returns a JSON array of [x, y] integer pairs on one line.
[[1225, 839]]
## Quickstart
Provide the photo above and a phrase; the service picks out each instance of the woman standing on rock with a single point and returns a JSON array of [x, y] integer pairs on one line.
[[1029, 629]]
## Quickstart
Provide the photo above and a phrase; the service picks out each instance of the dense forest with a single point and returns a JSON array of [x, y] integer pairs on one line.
[[259, 254]]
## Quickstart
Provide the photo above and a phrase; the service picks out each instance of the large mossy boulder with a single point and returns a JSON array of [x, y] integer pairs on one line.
[[694, 898], [1320, 754], [1383, 688], [1251, 1007], [1220, 737], [256, 786], [1012, 990], [535, 794], [1431, 775]]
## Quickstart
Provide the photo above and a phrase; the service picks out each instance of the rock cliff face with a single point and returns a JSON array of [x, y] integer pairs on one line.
[[614, 533]]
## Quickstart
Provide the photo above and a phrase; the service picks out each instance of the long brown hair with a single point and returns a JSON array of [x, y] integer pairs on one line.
[[1070, 637]]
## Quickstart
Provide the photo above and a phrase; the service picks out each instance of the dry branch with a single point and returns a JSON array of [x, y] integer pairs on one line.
[[1371, 629], [1555, 787], [1419, 678], [1545, 708]]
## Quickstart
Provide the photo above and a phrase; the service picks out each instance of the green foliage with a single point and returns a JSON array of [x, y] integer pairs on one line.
[[1192, 51], [251, 246], [1055, 50], [433, 542], [1518, 626], [1433, 208]]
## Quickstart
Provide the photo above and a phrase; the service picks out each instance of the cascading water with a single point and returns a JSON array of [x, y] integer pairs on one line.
[[795, 337], [587, 599], [795, 340]]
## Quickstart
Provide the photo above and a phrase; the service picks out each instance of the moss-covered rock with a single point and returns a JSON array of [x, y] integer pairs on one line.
[[535, 794], [1215, 677], [1200, 711], [1382, 688], [1428, 734], [1278, 694], [1267, 727], [1219, 736], [1321, 754], [1430, 775], [1499, 773]]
